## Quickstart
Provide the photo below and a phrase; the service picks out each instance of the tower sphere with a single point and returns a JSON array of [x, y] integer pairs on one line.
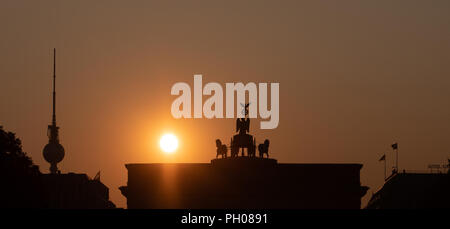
[[53, 152]]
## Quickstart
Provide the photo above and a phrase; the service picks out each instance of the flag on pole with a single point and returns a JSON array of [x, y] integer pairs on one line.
[[394, 146], [383, 158]]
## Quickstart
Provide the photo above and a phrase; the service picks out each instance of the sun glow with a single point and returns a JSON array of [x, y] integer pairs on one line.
[[168, 143]]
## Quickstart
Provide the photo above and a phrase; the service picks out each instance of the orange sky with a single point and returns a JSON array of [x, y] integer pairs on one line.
[[354, 77]]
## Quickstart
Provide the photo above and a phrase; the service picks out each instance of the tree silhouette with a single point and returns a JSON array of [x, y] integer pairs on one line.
[[19, 177]]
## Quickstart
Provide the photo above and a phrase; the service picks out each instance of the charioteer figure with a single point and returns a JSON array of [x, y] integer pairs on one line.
[[243, 139]]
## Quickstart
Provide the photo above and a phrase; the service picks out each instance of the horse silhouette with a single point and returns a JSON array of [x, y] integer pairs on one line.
[[221, 149], [264, 148]]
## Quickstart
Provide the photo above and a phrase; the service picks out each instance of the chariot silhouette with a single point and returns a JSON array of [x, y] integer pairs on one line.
[[242, 140]]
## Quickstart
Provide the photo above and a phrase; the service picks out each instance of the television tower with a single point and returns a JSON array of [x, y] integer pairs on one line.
[[53, 152]]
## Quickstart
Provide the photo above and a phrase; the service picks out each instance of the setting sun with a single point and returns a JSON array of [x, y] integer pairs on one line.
[[168, 143]]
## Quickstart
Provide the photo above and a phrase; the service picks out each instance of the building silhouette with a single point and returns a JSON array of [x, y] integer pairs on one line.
[[244, 182], [74, 191], [412, 191]]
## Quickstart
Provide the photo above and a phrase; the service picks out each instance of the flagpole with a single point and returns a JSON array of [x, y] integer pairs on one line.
[[396, 163], [395, 148], [383, 158]]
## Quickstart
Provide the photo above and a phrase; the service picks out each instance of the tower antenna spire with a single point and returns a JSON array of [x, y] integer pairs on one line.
[[54, 88]]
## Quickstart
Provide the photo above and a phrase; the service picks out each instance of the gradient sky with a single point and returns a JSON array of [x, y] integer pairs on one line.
[[354, 76]]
